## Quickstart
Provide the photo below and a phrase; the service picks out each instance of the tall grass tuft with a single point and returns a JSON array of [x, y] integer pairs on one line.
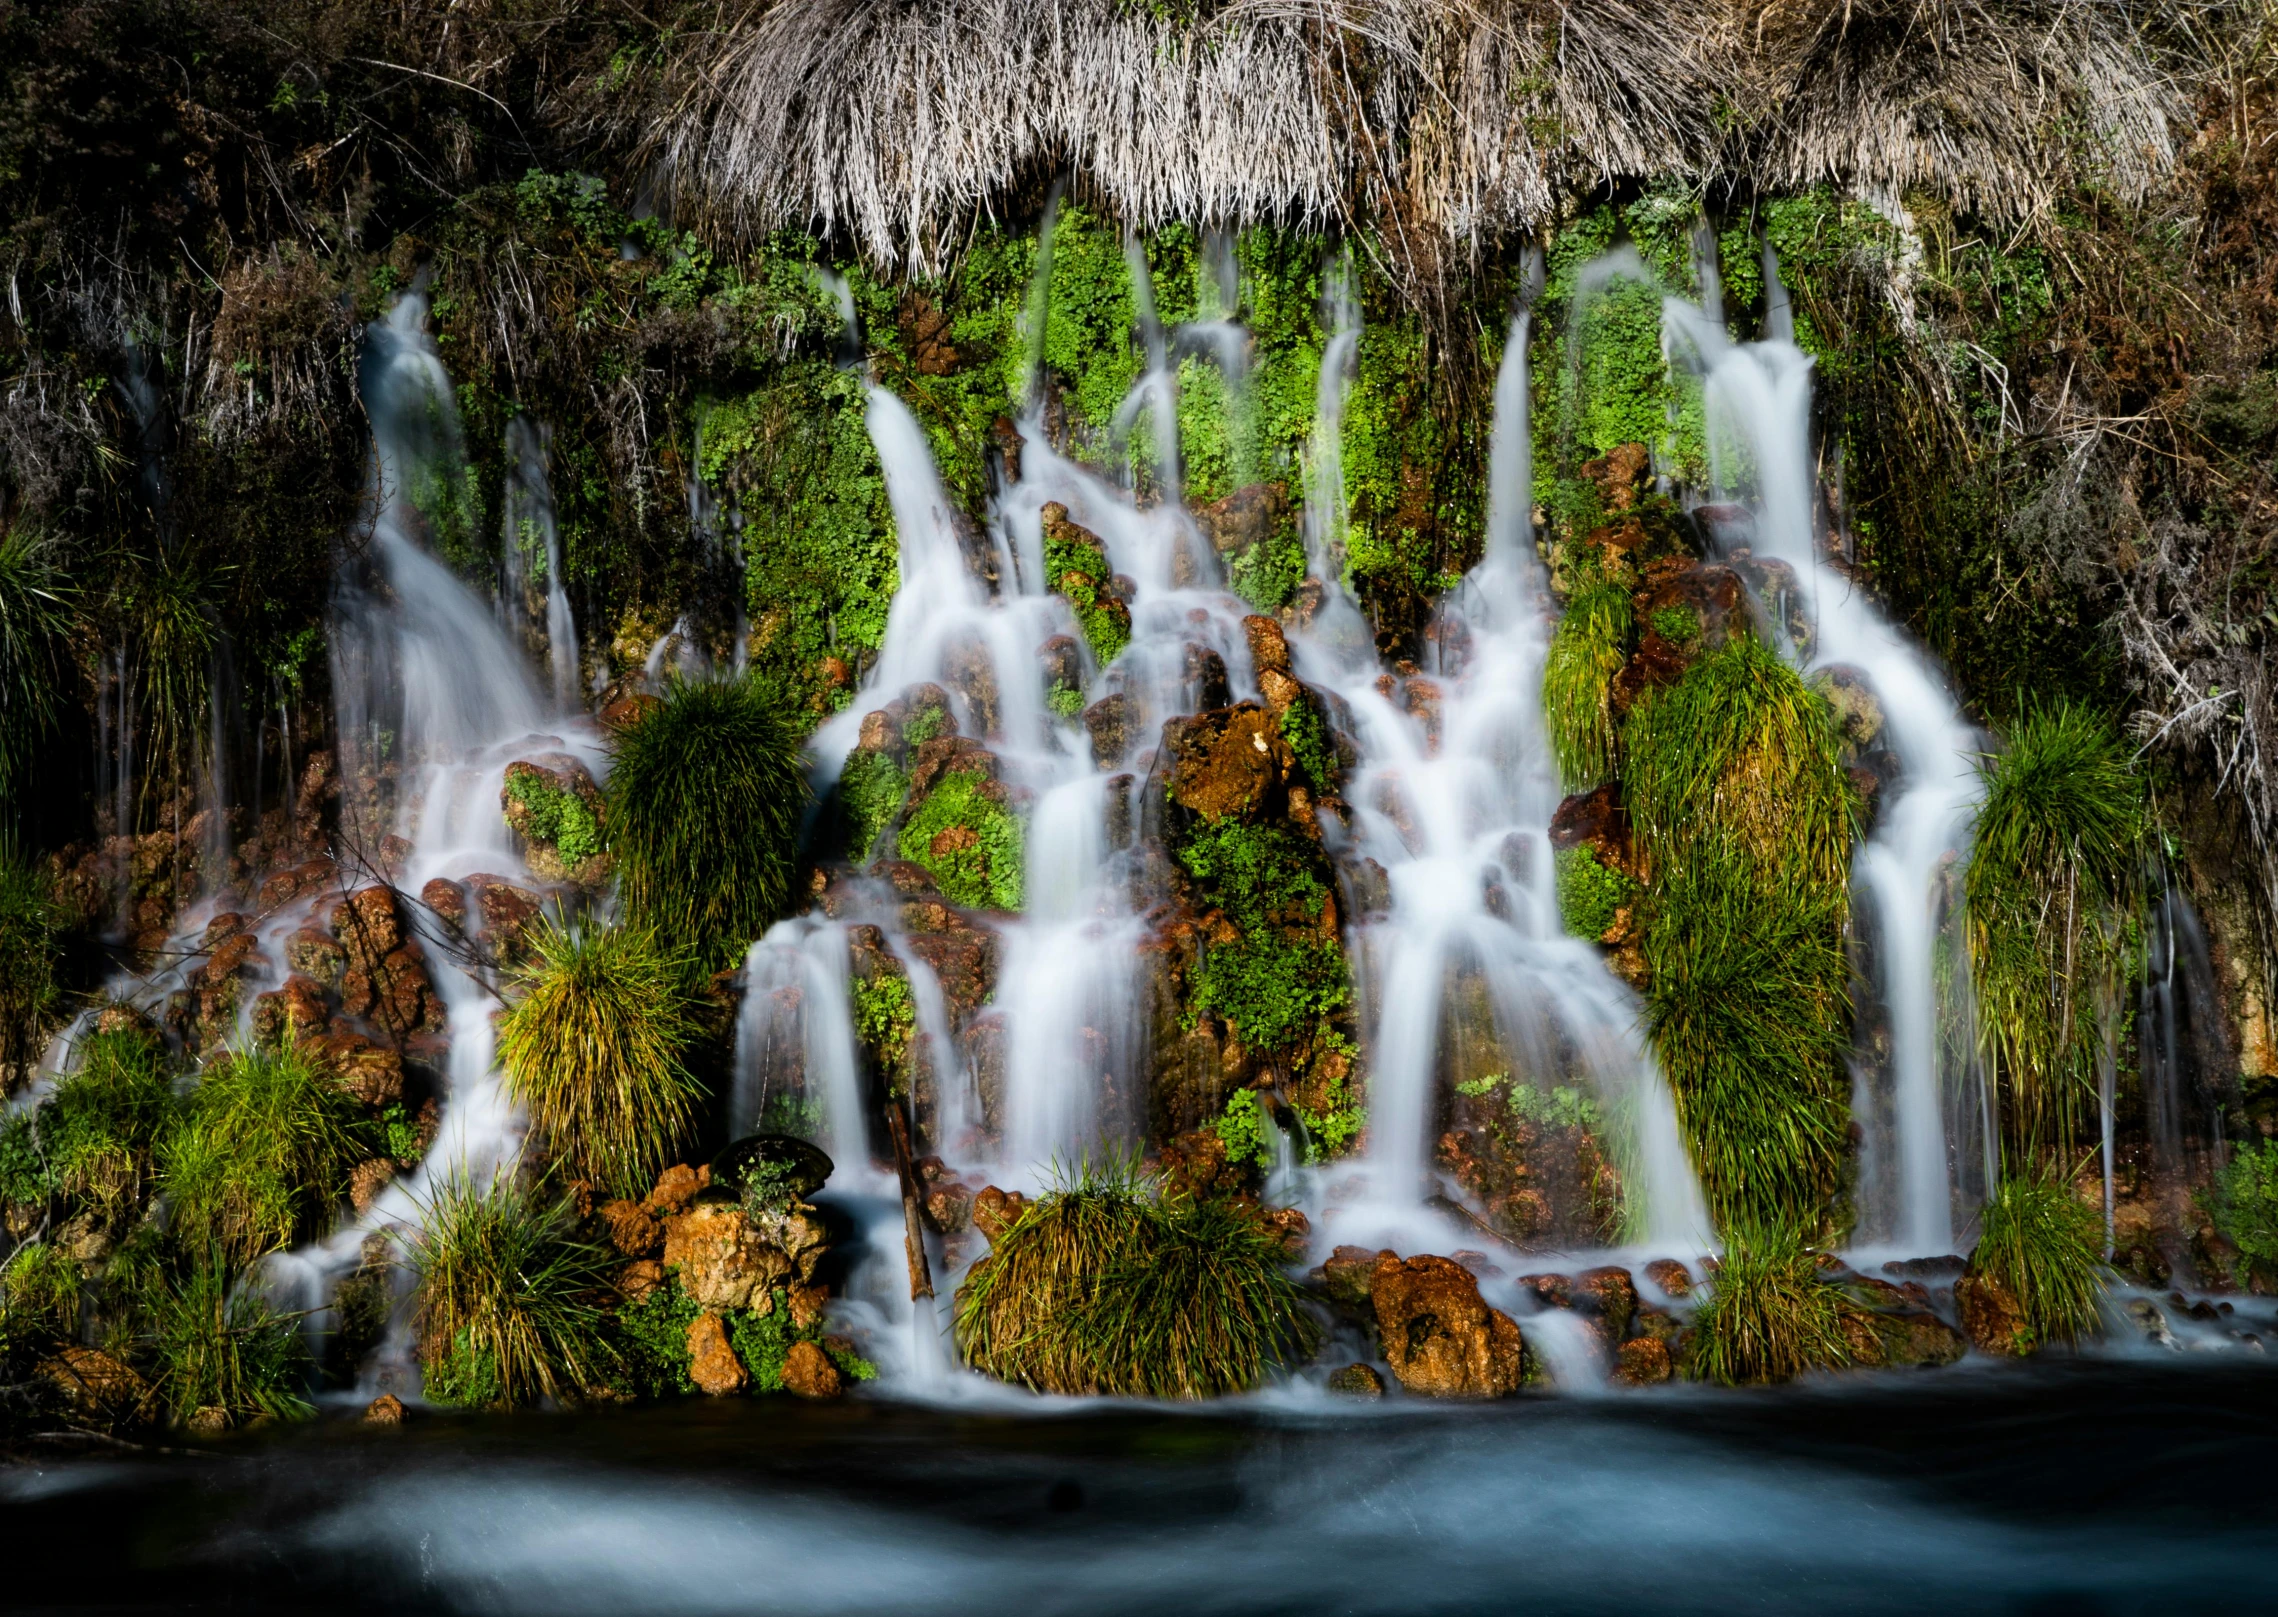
[[593, 1045], [37, 608], [29, 995], [511, 1299], [216, 1347], [2043, 1243], [1744, 821], [99, 1132], [1589, 648], [1106, 1285], [706, 794], [2051, 885], [262, 1154], [1770, 1316]]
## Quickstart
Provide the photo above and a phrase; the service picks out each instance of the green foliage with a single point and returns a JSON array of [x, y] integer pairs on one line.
[[1332, 1127], [30, 922], [2051, 887], [24, 1179], [1267, 572], [652, 1336], [1680, 624], [217, 1345], [1105, 1285], [2043, 1244], [99, 1131], [1065, 700], [2244, 1203], [1771, 1315], [1078, 570], [1246, 1128], [39, 1293], [262, 1154], [1307, 733], [705, 798], [1416, 513], [562, 819], [871, 788], [1561, 1108], [507, 1309], [1279, 980], [1589, 648], [399, 1135], [165, 610], [593, 1046], [1744, 818], [1589, 894], [36, 612], [763, 1341], [983, 870], [886, 1023], [795, 1115]]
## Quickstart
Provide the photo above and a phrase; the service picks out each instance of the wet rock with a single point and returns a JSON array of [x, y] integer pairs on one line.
[[723, 1261], [1205, 674], [367, 1179], [675, 1188], [1229, 763], [1930, 1270], [554, 806], [1609, 1296], [1598, 821], [1236, 521], [996, 1211], [640, 1277], [99, 1387], [367, 926], [1063, 662], [807, 1304], [1109, 720], [1643, 1362], [1439, 1336], [963, 958], [973, 675], [633, 1230], [298, 1010], [1671, 1276], [507, 909], [447, 899], [1550, 1290], [1281, 691], [1683, 609], [287, 885], [809, 1373], [1358, 1381], [798, 1232], [623, 712], [949, 1208], [792, 1169], [1991, 1317], [1858, 714], [316, 955], [373, 1073], [385, 1410], [1367, 888], [1620, 475], [1269, 647], [712, 1361]]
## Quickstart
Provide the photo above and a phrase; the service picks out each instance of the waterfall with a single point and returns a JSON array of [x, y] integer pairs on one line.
[[532, 591], [1758, 400]]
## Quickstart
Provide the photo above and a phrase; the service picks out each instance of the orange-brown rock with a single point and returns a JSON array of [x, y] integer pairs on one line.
[[98, 1386], [1595, 820], [316, 955], [1991, 1317], [1230, 763], [1620, 475], [1700, 602], [373, 1073], [1671, 1276], [676, 1187], [807, 1305], [1643, 1362], [507, 911], [1349, 1274], [996, 1211], [1439, 1335], [1609, 1296], [638, 1278], [1236, 521], [298, 1010], [367, 1179], [723, 1261], [712, 1361], [1269, 647], [633, 1230], [1108, 721], [447, 899], [808, 1372], [385, 1410], [368, 926]]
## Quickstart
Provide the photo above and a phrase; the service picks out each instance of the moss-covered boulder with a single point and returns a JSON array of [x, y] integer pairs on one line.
[[554, 806], [1076, 567]]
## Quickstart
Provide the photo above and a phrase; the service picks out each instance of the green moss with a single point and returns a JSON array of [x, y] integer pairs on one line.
[[763, 1341], [1679, 624], [1266, 573], [1332, 1127], [1307, 733], [982, 870], [1279, 982], [870, 788], [557, 817], [652, 1337], [1590, 895], [1079, 571], [1246, 1128], [886, 1023], [1065, 700], [2243, 1202], [1413, 521]]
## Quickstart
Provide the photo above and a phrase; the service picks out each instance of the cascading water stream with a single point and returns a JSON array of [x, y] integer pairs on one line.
[[530, 555], [1758, 399]]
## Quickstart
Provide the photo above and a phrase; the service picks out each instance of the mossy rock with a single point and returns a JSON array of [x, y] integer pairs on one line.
[[554, 806]]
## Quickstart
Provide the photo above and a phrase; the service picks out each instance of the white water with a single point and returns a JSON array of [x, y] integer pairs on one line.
[[1758, 400]]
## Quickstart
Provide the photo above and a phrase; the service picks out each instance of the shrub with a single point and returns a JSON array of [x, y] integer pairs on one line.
[[1771, 1315], [981, 869], [510, 1298], [2051, 887], [1105, 1285], [592, 1046], [215, 1346], [39, 1292], [1589, 648], [2044, 1245], [1246, 1127], [705, 797], [2244, 1203], [99, 1130], [262, 1153]]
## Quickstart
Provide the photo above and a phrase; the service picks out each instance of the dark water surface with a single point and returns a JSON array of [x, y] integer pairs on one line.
[[2075, 1488]]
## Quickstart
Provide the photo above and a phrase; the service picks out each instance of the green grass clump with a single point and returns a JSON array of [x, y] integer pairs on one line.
[[705, 797], [2051, 889], [99, 1131], [1679, 624], [871, 788], [593, 1048], [1108, 1286], [982, 870], [2244, 1204], [1589, 648], [218, 1349], [1589, 894], [1770, 1316], [29, 993], [36, 613], [2043, 1244], [262, 1154], [510, 1298], [39, 1293]]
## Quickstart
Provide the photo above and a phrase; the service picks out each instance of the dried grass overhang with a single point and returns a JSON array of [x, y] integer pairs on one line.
[[1436, 125]]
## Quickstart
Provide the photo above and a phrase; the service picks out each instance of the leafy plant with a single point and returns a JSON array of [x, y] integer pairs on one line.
[[508, 1296], [1771, 1315], [1589, 894], [29, 923], [885, 1021], [1589, 648], [1246, 1128], [39, 1292], [705, 797], [653, 1337], [262, 1153], [593, 1045], [1105, 1285], [557, 817], [871, 788], [99, 1131], [969, 841], [2244, 1203], [2043, 1244], [763, 1341], [1307, 733]]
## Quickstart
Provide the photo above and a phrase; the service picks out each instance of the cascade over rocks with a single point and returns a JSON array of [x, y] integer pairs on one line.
[[1440, 1338]]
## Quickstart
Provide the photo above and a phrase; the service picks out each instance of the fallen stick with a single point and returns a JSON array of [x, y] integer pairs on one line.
[[913, 1223]]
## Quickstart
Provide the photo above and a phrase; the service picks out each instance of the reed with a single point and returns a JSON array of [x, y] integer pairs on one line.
[[29, 921], [99, 1132], [37, 611], [218, 1350], [592, 1048], [1771, 1315]]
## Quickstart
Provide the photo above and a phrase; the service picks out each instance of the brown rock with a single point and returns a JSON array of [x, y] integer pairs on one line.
[[808, 1304], [553, 772], [638, 1278], [1671, 1276], [1595, 820], [1991, 1317], [1620, 475], [1643, 1362], [1439, 1336], [1349, 1274], [1269, 647], [368, 926], [316, 955], [996, 1211], [1610, 1296], [372, 1073], [385, 1410], [723, 1261], [1358, 1381], [808, 1372], [1236, 521], [367, 1179], [1109, 721], [507, 911], [949, 1207], [627, 711], [1227, 763], [297, 1010], [97, 1385], [798, 1232], [632, 1229], [447, 899], [712, 1361], [675, 1188]]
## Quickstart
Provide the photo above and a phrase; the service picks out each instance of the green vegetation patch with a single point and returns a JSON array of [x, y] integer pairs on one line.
[[871, 789], [556, 816], [2044, 1245], [1589, 894], [1771, 1314], [969, 841], [1588, 649], [1281, 980], [2244, 1204], [1078, 570], [261, 1156], [886, 1023]]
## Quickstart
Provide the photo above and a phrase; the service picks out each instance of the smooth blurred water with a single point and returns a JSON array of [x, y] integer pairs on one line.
[[2072, 1487]]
